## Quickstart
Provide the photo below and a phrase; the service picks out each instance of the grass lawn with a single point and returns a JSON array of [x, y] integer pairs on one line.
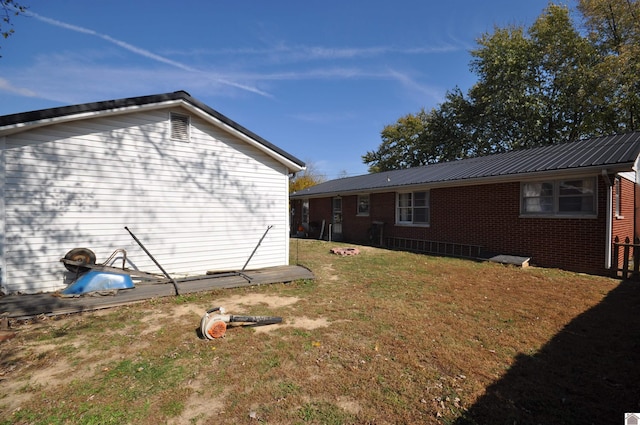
[[383, 337]]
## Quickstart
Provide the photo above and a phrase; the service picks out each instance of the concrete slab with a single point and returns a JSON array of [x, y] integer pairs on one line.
[[510, 259]]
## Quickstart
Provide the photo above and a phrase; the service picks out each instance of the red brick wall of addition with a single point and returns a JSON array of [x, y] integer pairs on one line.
[[489, 216], [624, 222]]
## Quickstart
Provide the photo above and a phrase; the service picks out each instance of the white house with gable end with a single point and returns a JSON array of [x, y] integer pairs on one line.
[[196, 188]]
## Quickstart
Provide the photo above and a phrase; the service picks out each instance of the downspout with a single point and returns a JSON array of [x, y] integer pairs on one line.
[[609, 220]]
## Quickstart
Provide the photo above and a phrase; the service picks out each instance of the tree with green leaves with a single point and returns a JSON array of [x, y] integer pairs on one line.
[[539, 86], [401, 145], [535, 88], [424, 138], [614, 29]]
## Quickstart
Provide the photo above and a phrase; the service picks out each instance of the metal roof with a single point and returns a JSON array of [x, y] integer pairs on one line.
[[612, 153], [21, 121]]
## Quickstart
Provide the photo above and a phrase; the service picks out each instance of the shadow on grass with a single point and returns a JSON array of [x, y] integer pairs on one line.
[[589, 373]]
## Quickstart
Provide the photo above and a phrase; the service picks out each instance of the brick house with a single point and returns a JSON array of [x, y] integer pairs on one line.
[[562, 206]]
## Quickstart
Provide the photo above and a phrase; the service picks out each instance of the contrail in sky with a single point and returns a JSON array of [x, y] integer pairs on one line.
[[139, 51]]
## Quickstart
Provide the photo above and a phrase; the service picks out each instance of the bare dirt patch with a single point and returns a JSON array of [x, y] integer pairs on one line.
[[246, 300], [241, 304], [305, 323], [199, 407]]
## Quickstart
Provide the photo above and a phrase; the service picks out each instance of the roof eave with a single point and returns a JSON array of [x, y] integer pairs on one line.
[[19, 127], [578, 171], [294, 166], [146, 103]]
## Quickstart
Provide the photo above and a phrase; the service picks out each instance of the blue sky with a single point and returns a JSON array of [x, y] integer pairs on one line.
[[319, 79]]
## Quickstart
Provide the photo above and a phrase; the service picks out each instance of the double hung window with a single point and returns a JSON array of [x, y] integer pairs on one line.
[[363, 205], [413, 208]]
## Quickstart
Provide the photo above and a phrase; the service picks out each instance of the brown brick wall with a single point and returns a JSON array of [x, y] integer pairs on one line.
[[623, 225], [489, 216]]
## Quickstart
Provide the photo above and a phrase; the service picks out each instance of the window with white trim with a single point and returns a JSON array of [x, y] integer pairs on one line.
[[559, 197], [413, 208], [363, 205]]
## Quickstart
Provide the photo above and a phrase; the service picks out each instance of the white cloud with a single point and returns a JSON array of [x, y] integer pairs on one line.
[[145, 53], [415, 87], [65, 77], [69, 79], [8, 87], [283, 53]]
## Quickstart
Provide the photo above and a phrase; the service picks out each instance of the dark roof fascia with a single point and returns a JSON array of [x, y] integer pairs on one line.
[[24, 120]]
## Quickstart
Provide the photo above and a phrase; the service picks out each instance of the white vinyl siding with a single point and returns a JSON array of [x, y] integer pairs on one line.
[[196, 206]]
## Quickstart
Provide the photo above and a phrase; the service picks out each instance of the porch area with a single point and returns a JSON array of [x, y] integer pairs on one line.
[[51, 304]]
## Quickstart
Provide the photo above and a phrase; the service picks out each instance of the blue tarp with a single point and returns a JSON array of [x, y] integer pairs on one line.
[[98, 281]]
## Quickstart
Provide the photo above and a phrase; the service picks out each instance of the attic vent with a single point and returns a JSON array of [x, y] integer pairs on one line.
[[180, 127]]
